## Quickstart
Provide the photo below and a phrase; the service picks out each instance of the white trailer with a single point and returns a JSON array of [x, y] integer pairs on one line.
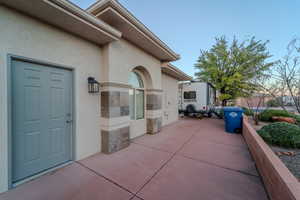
[[196, 97]]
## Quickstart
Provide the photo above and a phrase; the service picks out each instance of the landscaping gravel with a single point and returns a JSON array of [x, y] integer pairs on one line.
[[292, 162]]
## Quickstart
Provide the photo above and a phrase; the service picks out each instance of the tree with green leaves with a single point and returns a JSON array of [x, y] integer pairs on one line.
[[233, 68]]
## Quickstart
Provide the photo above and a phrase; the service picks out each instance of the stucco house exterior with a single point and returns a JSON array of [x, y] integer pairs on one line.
[[48, 50]]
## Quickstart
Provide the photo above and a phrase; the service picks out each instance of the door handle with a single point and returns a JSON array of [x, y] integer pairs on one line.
[[69, 121]]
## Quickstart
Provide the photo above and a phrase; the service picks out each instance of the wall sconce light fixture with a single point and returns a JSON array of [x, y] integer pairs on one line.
[[93, 85]]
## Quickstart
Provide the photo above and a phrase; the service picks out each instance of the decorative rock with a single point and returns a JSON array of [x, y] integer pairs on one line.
[[286, 153], [284, 119]]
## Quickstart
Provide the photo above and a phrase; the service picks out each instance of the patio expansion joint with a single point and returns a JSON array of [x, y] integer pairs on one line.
[[147, 146], [163, 165], [220, 166], [107, 179]]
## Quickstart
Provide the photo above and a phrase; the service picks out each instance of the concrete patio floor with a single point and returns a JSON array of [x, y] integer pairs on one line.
[[187, 160]]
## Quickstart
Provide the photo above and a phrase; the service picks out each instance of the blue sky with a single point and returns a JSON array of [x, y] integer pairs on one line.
[[190, 25]]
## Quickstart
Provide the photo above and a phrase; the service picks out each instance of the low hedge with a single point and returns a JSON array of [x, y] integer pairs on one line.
[[267, 115], [282, 134], [273, 103], [247, 111]]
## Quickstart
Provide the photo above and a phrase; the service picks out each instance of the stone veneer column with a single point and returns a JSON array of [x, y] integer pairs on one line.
[[115, 119], [154, 110]]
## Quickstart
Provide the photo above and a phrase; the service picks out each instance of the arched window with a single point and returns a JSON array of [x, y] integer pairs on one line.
[[135, 80], [136, 96]]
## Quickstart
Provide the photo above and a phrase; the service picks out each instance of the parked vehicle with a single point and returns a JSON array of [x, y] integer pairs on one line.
[[196, 97]]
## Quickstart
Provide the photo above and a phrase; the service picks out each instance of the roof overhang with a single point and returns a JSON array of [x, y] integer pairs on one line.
[[174, 72], [68, 17], [113, 13]]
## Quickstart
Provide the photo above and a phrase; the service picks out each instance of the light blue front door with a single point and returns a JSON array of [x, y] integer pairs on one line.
[[41, 118]]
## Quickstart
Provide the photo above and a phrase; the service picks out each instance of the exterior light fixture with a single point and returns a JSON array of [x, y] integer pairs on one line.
[[93, 85]]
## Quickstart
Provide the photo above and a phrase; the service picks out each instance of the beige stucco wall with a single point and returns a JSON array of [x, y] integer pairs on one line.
[[121, 57], [24, 36], [170, 99]]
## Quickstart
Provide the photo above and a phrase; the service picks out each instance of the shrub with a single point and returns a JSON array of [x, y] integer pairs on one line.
[[282, 134], [221, 113], [267, 115], [273, 103], [248, 111], [296, 117]]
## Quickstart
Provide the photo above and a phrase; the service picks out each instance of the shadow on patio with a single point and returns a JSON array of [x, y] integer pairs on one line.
[[190, 159]]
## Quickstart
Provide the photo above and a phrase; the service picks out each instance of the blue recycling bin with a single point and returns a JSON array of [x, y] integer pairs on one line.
[[233, 117]]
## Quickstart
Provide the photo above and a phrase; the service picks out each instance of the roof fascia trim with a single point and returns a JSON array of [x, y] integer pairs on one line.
[[133, 21], [81, 15], [174, 69]]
